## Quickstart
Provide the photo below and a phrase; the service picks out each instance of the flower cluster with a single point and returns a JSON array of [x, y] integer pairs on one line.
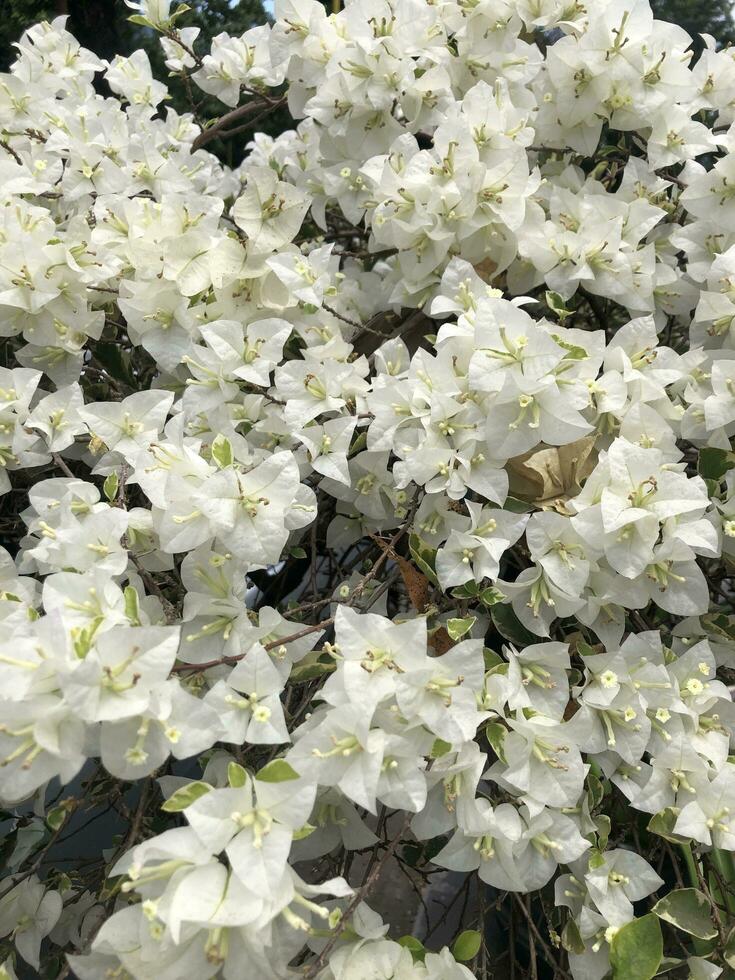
[[377, 492]]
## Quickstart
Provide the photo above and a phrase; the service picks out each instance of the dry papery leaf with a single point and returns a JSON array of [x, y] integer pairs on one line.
[[550, 476]]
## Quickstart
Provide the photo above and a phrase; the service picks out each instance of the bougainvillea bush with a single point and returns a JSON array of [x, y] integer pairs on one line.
[[369, 510]]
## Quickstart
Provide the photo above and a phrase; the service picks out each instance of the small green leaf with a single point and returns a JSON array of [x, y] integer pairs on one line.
[[309, 672], [458, 627], [141, 21], [278, 771], [132, 605], [571, 939], [603, 824], [311, 667], [516, 506], [491, 596], [720, 626], [418, 950], [112, 482], [222, 452], [687, 909], [662, 824], [298, 552], [236, 775], [424, 557], [491, 658], [595, 791], [714, 463], [56, 817], [510, 627], [573, 352], [411, 852], [440, 748], [556, 304], [467, 591], [185, 796], [467, 945], [303, 832], [495, 734], [637, 949], [595, 860], [358, 445]]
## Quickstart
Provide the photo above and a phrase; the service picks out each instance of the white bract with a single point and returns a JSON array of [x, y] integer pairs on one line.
[[377, 491]]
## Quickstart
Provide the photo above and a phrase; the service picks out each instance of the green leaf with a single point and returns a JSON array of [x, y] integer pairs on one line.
[[132, 605], [116, 361], [236, 775], [495, 734], [309, 672], [571, 939], [424, 557], [141, 21], [595, 860], [55, 818], [458, 627], [603, 824], [556, 304], [516, 506], [637, 949], [714, 463], [440, 748], [687, 909], [411, 852], [298, 552], [185, 796], [278, 771], [418, 950], [467, 945], [358, 445], [222, 452], [573, 352], [491, 658], [311, 667], [722, 626], [662, 823], [112, 482], [510, 627], [491, 596], [595, 791], [467, 591]]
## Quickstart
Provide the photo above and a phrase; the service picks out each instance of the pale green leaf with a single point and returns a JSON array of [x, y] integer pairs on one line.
[[185, 796], [637, 949]]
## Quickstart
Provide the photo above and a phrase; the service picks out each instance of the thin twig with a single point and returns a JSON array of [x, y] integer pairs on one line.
[[16, 156], [241, 112], [359, 896], [62, 466]]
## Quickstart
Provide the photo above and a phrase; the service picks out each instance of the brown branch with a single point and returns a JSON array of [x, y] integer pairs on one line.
[[62, 466], [324, 623], [359, 896], [242, 112], [6, 146]]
